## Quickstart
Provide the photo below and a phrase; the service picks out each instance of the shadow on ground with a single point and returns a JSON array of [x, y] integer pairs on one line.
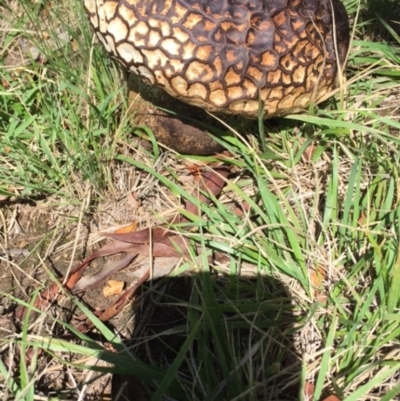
[[383, 12], [221, 339]]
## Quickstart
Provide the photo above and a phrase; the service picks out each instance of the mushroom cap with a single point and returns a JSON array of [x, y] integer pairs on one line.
[[229, 55]]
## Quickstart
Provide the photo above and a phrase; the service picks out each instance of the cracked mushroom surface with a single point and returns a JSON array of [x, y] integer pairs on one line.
[[225, 55]]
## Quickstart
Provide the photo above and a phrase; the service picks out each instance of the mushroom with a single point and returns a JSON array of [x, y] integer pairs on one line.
[[224, 56]]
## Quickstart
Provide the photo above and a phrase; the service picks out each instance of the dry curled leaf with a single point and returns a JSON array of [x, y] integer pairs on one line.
[[127, 229], [113, 287], [308, 393], [317, 277]]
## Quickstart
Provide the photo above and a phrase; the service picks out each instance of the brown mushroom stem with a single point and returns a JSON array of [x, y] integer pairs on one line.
[[182, 129]]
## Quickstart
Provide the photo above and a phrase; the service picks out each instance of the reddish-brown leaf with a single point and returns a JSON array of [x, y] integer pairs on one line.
[[91, 281], [212, 182]]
